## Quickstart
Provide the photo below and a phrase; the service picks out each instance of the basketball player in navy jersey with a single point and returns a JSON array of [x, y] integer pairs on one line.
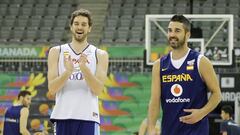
[[76, 75], [16, 116], [228, 126], [180, 82]]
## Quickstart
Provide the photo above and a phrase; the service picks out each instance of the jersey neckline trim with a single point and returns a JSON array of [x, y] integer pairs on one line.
[[80, 52]]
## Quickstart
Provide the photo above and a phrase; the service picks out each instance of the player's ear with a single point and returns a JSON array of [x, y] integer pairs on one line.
[[71, 29], [20, 98], [188, 34], [90, 29]]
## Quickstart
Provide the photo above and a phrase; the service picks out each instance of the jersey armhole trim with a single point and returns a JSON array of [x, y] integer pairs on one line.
[[198, 64], [59, 58], [96, 56]]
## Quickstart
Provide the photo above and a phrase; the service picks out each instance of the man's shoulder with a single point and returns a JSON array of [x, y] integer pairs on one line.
[[57, 48], [163, 60], [100, 52], [228, 123], [225, 122], [24, 110]]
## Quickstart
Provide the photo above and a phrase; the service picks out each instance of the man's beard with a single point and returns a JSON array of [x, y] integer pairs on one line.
[[80, 39], [25, 104], [178, 43]]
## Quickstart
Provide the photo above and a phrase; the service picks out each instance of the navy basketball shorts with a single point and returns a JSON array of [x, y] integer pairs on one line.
[[76, 127]]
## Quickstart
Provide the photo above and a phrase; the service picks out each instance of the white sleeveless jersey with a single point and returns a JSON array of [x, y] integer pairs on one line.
[[75, 100]]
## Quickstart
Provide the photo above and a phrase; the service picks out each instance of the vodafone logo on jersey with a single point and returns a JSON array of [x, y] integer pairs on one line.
[[177, 91]]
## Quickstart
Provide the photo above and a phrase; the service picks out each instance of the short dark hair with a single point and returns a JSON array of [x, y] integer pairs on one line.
[[81, 12], [182, 19], [228, 109], [23, 93]]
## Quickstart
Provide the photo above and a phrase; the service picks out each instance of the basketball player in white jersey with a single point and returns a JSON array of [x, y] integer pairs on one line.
[[76, 75]]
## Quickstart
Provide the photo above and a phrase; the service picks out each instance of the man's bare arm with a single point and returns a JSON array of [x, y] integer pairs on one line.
[[209, 77], [23, 121], [55, 81], [96, 82], [154, 104]]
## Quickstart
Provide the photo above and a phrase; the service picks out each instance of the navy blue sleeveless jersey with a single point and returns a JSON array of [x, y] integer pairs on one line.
[[182, 88], [230, 127], [12, 120]]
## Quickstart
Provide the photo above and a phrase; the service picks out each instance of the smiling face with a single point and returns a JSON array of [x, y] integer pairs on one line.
[[80, 28], [177, 35]]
